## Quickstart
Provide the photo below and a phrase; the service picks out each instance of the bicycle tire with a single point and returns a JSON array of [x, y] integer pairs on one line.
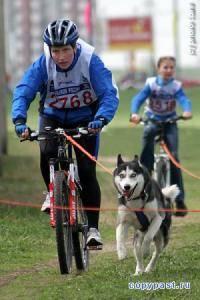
[[79, 237], [63, 229], [161, 173]]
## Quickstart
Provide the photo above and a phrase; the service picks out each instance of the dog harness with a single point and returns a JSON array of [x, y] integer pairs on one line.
[[142, 218]]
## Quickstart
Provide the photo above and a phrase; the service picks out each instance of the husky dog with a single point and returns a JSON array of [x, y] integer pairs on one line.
[[143, 205]]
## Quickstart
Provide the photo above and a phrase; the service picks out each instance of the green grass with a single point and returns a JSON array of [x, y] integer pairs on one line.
[[29, 268]]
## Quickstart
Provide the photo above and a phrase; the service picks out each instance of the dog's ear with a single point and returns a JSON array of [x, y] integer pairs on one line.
[[137, 161], [136, 158], [119, 160]]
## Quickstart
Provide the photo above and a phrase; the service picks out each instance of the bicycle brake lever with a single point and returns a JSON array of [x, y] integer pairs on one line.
[[32, 136]]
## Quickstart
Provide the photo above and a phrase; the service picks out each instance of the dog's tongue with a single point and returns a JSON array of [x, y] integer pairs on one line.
[[127, 193]]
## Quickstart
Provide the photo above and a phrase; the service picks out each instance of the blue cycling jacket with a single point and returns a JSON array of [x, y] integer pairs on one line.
[[161, 97], [86, 91]]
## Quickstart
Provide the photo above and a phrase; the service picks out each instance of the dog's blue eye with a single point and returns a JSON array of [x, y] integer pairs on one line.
[[133, 175], [121, 175]]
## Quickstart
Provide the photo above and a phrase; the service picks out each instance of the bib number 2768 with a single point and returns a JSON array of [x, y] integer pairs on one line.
[[72, 102]]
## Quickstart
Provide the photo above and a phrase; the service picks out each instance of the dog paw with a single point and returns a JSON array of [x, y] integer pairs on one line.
[[138, 272]]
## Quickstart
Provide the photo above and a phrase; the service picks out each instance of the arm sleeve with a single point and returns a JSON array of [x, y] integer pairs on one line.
[[183, 100], [105, 89], [25, 92], [140, 98]]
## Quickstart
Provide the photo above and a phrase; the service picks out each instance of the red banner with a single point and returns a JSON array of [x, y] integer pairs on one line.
[[130, 33], [87, 17]]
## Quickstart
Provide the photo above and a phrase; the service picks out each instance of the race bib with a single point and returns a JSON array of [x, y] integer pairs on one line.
[[70, 97], [162, 106]]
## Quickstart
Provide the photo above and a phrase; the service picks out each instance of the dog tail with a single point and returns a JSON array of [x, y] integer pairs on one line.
[[171, 192]]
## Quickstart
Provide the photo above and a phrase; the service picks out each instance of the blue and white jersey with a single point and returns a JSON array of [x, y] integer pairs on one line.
[[73, 90], [82, 93], [161, 98]]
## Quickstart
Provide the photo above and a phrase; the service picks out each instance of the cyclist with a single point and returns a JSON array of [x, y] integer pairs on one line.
[[162, 93], [76, 89]]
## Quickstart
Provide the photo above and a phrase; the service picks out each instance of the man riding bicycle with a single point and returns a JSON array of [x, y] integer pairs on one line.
[[76, 89], [163, 93]]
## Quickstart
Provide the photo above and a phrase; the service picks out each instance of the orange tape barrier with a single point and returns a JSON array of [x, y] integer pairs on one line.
[[28, 204], [164, 146], [18, 203]]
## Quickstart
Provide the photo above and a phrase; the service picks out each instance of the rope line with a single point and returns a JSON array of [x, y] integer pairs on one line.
[[93, 158], [165, 148], [28, 204], [162, 143]]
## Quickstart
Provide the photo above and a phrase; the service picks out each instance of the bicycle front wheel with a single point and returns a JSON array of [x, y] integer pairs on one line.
[[63, 228], [79, 236]]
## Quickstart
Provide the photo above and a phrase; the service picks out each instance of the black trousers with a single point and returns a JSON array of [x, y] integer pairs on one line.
[[91, 195]]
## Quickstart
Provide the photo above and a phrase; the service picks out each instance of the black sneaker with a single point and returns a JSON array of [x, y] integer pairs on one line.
[[182, 209]]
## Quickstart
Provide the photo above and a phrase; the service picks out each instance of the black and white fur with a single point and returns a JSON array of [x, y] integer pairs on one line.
[[138, 190]]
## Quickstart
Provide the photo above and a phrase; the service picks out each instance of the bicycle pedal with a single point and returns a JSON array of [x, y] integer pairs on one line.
[[97, 247]]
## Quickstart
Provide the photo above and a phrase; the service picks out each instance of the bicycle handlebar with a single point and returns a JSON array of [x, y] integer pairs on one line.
[[160, 122], [55, 133]]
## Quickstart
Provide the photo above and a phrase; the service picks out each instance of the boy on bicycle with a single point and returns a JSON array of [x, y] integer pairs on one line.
[[76, 89], [163, 93]]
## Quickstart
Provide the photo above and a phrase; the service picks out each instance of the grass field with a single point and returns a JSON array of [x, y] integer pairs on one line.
[[29, 268]]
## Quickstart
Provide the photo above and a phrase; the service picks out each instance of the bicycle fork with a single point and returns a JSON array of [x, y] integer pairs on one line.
[[72, 195], [52, 199]]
